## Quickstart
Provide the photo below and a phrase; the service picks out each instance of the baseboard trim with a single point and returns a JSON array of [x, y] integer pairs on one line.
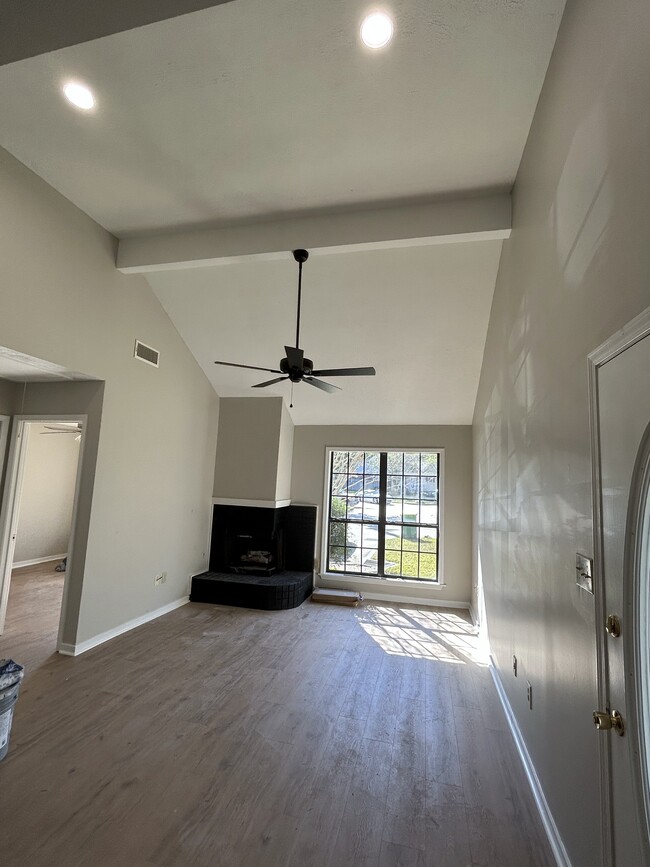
[[83, 646], [412, 600], [48, 559], [554, 838], [66, 649], [473, 615]]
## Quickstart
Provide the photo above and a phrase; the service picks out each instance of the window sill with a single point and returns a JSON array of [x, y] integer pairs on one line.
[[380, 582]]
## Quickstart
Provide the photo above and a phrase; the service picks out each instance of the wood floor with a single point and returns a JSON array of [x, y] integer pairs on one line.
[[233, 738], [33, 613]]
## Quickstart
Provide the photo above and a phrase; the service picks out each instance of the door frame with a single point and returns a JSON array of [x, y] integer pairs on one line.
[[9, 512], [632, 333], [5, 424]]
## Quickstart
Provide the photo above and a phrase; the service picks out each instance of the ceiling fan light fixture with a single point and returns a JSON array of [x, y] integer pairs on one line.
[[376, 30]]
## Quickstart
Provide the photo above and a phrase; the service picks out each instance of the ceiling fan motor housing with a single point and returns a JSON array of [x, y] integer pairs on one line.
[[295, 374]]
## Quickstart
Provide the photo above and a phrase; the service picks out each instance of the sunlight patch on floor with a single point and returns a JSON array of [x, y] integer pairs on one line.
[[423, 633]]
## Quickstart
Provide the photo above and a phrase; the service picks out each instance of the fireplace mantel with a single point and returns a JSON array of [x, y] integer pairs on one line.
[[257, 504]]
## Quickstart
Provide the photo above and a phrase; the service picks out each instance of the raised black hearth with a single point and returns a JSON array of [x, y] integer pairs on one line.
[[259, 557]]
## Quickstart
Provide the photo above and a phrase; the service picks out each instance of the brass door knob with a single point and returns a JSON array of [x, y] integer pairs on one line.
[[605, 721], [613, 626]]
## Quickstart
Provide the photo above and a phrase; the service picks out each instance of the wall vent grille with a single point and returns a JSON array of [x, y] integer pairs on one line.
[[146, 353]]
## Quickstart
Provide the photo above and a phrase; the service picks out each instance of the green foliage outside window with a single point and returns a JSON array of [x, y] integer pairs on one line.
[[337, 531]]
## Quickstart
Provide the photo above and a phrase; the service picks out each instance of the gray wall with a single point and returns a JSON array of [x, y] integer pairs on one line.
[[285, 455], [64, 301], [308, 486], [9, 396], [575, 270], [79, 399], [246, 467], [47, 495]]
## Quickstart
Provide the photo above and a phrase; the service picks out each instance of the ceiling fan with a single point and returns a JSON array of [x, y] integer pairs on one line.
[[294, 366], [63, 427]]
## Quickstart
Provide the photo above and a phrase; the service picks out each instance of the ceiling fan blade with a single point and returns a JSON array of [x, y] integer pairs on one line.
[[270, 382], [249, 366], [346, 371], [294, 356], [325, 386]]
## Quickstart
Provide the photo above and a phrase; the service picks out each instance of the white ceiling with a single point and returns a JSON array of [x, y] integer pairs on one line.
[[253, 109], [418, 315]]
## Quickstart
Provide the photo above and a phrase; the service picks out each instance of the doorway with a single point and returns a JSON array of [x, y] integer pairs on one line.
[[37, 532], [620, 406]]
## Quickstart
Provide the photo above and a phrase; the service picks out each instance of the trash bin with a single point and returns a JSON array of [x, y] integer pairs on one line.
[[10, 676]]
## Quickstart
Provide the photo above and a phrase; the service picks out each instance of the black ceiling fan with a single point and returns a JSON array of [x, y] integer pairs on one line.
[[294, 366]]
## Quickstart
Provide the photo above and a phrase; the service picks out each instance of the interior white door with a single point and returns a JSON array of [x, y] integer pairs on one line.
[[10, 512], [624, 428]]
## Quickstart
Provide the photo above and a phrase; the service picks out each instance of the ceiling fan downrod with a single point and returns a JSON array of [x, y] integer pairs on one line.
[[300, 256]]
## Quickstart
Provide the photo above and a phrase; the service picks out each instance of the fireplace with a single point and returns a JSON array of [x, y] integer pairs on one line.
[[255, 553], [259, 557]]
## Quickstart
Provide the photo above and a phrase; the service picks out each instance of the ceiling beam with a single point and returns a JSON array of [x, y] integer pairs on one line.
[[32, 27], [441, 222]]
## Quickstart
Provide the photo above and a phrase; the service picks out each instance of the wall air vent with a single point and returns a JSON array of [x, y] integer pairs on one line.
[[146, 353]]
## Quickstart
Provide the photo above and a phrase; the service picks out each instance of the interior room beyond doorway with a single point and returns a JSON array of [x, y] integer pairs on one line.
[[45, 484]]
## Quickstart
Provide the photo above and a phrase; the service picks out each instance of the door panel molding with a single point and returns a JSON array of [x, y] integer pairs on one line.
[[637, 602], [632, 333]]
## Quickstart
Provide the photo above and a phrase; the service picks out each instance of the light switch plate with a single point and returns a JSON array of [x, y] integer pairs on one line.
[[584, 573]]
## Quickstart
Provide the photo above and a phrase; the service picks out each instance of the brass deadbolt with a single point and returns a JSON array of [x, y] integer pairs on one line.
[[605, 721], [613, 626]]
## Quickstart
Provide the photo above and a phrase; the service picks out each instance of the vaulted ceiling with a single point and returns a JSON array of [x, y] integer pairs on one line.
[[248, 113]]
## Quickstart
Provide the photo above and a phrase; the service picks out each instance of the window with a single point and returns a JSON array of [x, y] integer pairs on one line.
[[383, 513]]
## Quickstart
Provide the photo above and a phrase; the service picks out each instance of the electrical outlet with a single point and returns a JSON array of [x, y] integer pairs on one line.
[[529, 694], [514, 665]]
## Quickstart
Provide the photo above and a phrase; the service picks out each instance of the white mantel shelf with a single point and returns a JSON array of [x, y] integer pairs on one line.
[[258, 504]]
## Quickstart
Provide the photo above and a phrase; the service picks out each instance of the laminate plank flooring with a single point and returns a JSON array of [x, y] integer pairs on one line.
[[222, 737], [33, 613]]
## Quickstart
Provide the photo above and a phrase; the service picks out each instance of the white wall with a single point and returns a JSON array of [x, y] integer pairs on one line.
[[575, 270], [154, 430], [308, 486], [47, 494]]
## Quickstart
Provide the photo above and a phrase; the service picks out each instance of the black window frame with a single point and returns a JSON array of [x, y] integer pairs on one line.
[[381, 522]]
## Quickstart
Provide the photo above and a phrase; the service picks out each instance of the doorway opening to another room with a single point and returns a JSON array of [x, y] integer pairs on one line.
[[37, 532]]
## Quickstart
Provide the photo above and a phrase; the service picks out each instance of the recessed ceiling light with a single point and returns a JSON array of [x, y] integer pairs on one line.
[[376, 30], [79, 95]]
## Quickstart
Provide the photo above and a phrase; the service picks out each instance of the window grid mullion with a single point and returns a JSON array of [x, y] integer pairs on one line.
[[381, 528]]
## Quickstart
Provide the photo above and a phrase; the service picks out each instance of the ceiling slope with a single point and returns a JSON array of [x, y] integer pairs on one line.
[[252, 110], [418, 315]]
